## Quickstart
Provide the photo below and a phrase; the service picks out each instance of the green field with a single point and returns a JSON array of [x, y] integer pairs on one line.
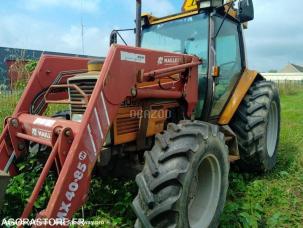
[[272, 200], [7, 105], [275, 199]]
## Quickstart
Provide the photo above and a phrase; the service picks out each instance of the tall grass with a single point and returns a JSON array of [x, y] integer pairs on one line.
[[289, 87], [274, 199], [8, 102]]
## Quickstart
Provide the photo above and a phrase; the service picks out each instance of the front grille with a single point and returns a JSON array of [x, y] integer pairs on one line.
[[87, 86], [127, 125]]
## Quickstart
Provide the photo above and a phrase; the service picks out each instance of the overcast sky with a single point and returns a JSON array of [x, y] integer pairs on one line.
[[273, 39]]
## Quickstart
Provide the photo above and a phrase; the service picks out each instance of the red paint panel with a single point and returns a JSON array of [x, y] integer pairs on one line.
[[116, 79], [118, 76]]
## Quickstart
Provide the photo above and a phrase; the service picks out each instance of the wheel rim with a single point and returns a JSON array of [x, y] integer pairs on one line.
[[272, 129], [205, 193]]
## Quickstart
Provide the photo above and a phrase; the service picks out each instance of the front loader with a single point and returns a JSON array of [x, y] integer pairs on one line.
[[182, 103]]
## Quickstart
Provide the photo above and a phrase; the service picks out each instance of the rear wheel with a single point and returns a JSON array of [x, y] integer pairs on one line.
[[257, 125], [185, 178]]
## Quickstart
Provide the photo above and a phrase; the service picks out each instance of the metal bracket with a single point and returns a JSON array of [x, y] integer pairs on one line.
[[9, 162], [141, 138], [231, 140]]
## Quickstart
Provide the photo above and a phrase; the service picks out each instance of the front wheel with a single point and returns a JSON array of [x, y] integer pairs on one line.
[[185, 178]]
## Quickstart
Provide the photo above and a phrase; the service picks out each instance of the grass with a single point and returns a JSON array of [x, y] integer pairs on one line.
[[289, 87], [271, 200], [275, 199], [7, 106]]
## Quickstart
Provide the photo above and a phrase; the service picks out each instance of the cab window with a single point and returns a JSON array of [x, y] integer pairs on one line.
[[228, 58]]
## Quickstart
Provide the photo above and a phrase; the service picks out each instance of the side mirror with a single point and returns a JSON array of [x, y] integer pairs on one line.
[[246, 11], [113, 39]]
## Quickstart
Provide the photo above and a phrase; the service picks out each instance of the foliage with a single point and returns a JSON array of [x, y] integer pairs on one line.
[[21, 186], [3, 87], [109, 201], [31, 66], [273, 71], [272, 200], [53, 109], [275, 199], [100, 207], [23, 72], [7, 104]]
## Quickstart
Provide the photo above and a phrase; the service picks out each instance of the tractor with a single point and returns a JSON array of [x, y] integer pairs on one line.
[[173, 112]]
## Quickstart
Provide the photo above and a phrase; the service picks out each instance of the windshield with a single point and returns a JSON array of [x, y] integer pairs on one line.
[[187, 35]]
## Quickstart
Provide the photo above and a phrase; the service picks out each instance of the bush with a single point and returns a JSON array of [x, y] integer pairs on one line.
[[23, 73]]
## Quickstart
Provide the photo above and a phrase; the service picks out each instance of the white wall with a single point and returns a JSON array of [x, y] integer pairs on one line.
[[283, 76]]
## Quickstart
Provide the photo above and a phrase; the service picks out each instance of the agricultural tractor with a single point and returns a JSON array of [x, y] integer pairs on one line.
[[175, 111]]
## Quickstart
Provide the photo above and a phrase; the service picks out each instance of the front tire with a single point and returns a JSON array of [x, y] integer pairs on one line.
[[257, 125], [185, 178]]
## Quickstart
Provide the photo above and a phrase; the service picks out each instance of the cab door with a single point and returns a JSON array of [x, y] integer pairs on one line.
[[228, 57]]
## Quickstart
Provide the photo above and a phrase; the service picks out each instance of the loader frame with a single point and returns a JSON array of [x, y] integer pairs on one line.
[[76, 146]]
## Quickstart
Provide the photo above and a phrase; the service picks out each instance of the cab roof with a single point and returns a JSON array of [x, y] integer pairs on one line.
[[190, 8]]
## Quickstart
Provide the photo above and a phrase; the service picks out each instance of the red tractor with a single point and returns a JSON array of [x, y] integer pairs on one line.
[[183, 103]]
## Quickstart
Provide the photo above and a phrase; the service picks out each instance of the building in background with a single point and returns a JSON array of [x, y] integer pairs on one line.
[[290, 73], [292, 68], [10, 56]]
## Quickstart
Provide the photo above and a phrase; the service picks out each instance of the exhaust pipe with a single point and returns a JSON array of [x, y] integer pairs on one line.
[[138, 23]]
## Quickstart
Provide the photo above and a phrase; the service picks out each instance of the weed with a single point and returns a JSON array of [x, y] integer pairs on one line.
[[275, 199]]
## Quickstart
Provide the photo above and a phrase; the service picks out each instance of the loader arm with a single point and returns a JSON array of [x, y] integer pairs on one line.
[[50, 70], [77, 145]]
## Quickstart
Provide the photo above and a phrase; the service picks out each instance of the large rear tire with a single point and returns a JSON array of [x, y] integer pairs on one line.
[[185, 178], [257, 125]]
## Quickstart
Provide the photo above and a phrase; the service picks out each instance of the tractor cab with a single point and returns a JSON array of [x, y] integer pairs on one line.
[[211, 30]]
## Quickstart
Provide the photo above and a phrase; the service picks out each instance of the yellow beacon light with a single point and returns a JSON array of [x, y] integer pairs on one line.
[[190, 5]]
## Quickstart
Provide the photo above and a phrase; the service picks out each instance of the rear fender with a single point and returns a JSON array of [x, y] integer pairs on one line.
[[247, 79]]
